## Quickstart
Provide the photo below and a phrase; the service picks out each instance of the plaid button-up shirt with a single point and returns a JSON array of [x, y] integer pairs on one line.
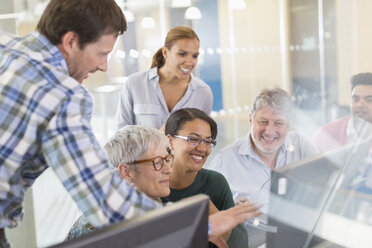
[[45, 121]]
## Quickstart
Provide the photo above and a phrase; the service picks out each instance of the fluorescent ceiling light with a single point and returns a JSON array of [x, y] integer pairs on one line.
[[192, 13], [11, 16]]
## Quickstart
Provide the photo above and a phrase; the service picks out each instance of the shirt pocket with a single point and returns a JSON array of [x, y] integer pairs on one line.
[[147, 115]]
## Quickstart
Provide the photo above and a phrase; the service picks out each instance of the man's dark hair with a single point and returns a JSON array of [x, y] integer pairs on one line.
[[364, 78], [89, 19], [179, 118]]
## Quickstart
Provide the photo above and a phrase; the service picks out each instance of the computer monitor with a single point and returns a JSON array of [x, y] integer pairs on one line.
[[314, 202], [182, 224]]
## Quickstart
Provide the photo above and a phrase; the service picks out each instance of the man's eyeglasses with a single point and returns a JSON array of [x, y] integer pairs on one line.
[[158, 162], [195, 140]]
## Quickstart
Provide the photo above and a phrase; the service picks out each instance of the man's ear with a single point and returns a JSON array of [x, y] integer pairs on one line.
[[250, 119], [69, 43], [125, 172]]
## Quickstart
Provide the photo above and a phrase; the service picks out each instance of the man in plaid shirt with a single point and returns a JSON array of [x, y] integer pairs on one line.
[[45, 116], [45, 112]]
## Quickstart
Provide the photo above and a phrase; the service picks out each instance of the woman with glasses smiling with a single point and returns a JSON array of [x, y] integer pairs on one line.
[[192, 135]]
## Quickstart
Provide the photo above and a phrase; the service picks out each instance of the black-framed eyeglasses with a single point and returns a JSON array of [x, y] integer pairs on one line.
[[195, 140], [158, 162]]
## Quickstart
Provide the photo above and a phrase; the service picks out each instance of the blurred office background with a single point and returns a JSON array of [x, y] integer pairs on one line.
[[309, 48]]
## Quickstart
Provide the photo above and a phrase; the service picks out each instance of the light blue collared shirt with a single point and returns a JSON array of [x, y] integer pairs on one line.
[[248, 175], [142, 101]]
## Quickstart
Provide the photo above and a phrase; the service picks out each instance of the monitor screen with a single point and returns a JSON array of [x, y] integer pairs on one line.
[[312, 198], [182, 224]]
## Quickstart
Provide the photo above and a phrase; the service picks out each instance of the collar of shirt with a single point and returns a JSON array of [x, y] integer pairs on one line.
[[153, 73]]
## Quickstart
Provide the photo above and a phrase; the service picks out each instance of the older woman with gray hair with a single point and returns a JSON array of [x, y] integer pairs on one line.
[[142, 158], [143, 146], [247, 163]]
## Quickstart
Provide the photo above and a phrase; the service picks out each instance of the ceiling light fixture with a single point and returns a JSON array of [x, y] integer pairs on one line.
[[148, 22], [192, 13]]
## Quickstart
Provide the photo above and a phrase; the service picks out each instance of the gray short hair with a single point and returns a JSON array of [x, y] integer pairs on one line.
[[276, 99], [131, 142]]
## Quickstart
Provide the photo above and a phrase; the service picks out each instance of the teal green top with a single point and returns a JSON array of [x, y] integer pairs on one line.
[[216, 187]]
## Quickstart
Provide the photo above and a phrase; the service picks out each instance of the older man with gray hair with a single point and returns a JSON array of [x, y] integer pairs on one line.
[[247, 163]]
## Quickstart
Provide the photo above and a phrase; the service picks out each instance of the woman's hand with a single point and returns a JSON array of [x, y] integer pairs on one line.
[[226, 220]]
